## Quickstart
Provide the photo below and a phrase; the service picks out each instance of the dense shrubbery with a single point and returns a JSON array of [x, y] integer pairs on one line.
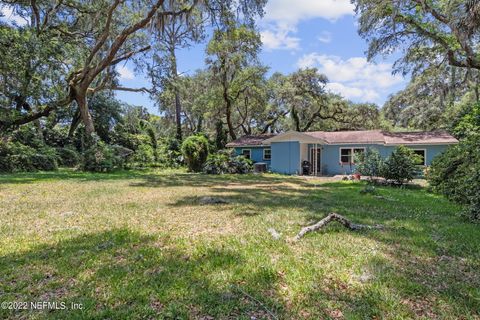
[[17, 157], [195, 151], [456, 174], [68, 157], [101, 157], [226, 162], [370, 163], [399, 167]]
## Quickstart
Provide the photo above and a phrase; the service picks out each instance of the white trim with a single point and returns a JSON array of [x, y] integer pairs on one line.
[[313, 159], [249, 153], [354, 143], [264, 149], [247, 146], [294, 136], [351, 155], [424, 155]]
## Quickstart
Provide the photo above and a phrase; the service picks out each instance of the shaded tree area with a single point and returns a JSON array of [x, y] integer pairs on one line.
[[438, 42], [59, 75]]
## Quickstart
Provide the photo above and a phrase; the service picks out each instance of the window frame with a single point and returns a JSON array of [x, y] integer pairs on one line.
[[265, 149], [249, 153], [424, 156], [352, 154]]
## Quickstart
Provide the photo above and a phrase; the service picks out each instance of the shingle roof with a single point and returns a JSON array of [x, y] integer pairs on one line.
[[361, 136], [432, 137], [365, 136], [250, 140]]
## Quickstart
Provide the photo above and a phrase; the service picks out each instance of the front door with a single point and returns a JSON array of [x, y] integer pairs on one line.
[[315, 161]]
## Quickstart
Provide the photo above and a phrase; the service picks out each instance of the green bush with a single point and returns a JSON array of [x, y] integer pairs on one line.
[[217, 164], [101, 157], [226, 162], [144, 155], [17, 157], [400, 166], [369, 163], [456, 174], [195, 151], [68, 157]]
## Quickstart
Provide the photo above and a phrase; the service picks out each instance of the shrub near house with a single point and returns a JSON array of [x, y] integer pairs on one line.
[[401, 165]]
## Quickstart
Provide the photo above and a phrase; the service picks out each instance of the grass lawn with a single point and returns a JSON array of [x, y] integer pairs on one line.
[[140, 245]]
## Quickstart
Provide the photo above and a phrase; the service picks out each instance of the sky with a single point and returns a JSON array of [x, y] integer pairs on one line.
[[309, 33]]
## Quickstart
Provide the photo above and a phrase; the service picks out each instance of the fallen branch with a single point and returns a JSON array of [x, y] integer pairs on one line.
[[335, 217]]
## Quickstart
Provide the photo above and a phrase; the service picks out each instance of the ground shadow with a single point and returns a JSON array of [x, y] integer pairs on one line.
[[71, 174], [122, 274]]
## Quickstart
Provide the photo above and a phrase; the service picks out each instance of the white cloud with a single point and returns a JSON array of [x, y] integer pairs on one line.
[[353, 93], [125, 73], [325, 37], [7, 15], [289, 12], [282, 16], [354, 78], [279, 38]]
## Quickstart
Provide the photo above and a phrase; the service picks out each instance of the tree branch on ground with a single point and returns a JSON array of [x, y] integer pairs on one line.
[[339, 218]]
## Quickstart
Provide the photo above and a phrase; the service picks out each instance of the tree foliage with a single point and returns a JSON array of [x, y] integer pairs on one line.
[[400, 166], [370, 163], [456, 173], [429, 32], [195, 150]]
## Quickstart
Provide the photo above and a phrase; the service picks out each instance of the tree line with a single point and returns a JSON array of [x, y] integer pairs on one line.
[[57, 66]]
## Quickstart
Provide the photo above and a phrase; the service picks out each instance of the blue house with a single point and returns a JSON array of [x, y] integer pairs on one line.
[[332, 153]]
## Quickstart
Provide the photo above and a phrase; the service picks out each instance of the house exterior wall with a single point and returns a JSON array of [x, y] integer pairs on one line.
[[256, 153], [285, 157], [331, 155]]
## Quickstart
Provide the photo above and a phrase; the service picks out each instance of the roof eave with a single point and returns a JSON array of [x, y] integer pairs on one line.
[[422, 143]]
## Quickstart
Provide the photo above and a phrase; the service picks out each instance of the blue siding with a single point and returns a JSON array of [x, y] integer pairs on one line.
[[256, 153], [331, 155], [286, 157]]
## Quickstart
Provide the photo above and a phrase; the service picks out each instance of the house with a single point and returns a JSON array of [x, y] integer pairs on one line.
[[331, 153]]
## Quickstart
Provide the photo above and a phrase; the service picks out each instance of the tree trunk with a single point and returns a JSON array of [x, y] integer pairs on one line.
[[199, 124], [85, 115], [178, 105], [178, 119], [228, 111]]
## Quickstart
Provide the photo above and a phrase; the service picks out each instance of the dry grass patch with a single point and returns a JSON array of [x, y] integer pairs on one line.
[[142, 244]]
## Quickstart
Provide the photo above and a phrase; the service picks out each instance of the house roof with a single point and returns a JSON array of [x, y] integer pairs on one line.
[[356, 137], [342, 137], [432, 137], [250, 140]]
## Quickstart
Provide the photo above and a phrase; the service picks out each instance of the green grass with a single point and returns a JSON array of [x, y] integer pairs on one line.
[[140, 245]]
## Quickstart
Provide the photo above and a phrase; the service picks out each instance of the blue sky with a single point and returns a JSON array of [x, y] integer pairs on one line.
[[304, 33]]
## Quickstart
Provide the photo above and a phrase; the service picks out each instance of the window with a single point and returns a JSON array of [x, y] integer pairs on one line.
[[422, 153], [348, 155], [247, 153], [267, 154], [345, 155]]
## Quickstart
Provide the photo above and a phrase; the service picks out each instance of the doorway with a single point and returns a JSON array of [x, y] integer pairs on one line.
[[316, 161]]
